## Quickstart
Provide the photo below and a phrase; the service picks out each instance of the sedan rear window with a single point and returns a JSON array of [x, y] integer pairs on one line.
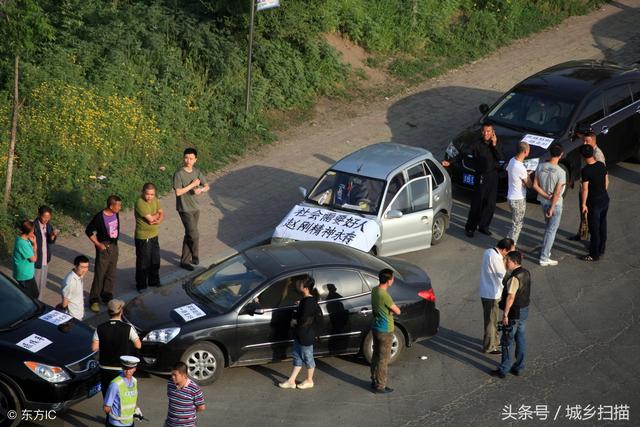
[[341, 190], [537, 112], [16, 306], [226, 284]]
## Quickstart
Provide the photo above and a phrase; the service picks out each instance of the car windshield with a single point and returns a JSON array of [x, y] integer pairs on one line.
[[341, 190], [226, 284], [16, 306], [531, 111]]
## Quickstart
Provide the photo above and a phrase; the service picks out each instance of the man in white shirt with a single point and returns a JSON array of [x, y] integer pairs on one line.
[[492, 272], [519, 181], [73, 287]]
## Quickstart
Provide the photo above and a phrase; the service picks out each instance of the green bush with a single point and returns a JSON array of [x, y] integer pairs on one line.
[[118, 89]]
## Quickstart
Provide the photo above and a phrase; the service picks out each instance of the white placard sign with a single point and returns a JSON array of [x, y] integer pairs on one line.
[[34, 343], [266, 4], [56, 317], [305, 223], [537, 140], [189, 312]]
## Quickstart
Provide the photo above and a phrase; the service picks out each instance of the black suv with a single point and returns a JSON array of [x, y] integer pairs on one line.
[[555, 105]]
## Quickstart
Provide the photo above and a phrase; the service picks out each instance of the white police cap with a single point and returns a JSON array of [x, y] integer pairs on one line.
[[129, 361]]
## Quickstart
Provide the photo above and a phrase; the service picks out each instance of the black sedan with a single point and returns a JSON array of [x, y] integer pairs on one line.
[[239, 311], [46, 362], [555, 105]]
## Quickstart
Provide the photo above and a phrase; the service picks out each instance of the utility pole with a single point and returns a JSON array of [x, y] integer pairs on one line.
[[249, 55]]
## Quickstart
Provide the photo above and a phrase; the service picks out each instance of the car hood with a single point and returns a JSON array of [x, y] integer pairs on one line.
[[70, 341], [156, 309], [507, 137]]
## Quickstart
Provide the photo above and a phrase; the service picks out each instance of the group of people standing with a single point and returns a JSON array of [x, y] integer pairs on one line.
[[549, 183], [115, 340], [32, 249], [305, 326]]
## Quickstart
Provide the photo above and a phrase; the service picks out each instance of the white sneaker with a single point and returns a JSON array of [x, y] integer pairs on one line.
[[287, 384], [548, 262]]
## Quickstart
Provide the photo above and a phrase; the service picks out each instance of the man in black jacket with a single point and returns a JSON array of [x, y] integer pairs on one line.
[[515, 307], [113, 339], [104, 231], [487, 160]]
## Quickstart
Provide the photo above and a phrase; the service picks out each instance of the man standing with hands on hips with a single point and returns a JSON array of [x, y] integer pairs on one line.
[[104, 231], [487, 158], [188, 183]]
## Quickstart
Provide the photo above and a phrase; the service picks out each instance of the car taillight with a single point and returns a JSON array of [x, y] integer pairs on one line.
[[429, 295]]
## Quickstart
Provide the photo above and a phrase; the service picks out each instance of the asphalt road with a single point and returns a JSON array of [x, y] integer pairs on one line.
[[583, 346]]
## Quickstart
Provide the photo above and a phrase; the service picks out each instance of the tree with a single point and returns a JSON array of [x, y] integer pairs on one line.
[[24, 27]]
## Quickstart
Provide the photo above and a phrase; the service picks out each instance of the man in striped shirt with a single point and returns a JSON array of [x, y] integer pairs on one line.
[[185, 398]]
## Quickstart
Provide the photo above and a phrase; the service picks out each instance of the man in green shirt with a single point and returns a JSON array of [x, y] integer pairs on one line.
[[148, 214], [188, 183], [382, 331]]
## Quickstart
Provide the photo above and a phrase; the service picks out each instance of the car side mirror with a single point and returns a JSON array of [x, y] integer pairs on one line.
[[483, 108], [303, 191], [394, 213], [253, 308]]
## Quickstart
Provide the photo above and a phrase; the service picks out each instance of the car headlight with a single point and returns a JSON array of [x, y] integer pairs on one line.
[[53, 374], [531, 164], [452, 151], [162, 335]]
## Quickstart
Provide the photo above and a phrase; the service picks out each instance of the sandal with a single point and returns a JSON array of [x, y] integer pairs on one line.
[[588, 258]]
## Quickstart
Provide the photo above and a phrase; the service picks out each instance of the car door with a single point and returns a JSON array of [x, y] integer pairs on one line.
[[618, 123], [345, 301], [407, 221], [263, 331], [439, 187]]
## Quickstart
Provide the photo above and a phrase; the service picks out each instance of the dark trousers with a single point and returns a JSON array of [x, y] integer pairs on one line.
[[597, 219], [380, 358], [483, 201], [106, 376], [30, 287], [147, 263], [191, 237], [104, 277]]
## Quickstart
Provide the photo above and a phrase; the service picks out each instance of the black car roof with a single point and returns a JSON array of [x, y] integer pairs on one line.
[[574, 79], [273, 260]]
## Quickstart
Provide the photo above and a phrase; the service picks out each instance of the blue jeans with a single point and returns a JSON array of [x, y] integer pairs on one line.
[[303, 354], [550, 231], [506, 341]]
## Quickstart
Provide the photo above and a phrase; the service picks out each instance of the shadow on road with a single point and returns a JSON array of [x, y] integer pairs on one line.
[[461, 348], [253, 199], [424, 119], [613, 38]]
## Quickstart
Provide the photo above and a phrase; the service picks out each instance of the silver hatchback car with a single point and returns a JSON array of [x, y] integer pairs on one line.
[[404, 189]]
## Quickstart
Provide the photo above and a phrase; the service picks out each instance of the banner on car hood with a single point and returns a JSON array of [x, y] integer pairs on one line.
[[314, 224]]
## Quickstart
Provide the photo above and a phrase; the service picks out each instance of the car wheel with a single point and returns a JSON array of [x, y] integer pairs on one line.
[[204, 361], [397, 346], [10, 406], [439, 228]]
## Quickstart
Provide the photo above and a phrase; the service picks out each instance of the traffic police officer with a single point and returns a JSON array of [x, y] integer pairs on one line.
[[120, 402]]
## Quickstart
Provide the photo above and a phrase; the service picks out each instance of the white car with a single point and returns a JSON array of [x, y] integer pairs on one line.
[[401, 192]]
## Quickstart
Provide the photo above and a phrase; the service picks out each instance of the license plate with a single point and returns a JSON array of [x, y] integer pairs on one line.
[[94, 389], [467, 179]]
